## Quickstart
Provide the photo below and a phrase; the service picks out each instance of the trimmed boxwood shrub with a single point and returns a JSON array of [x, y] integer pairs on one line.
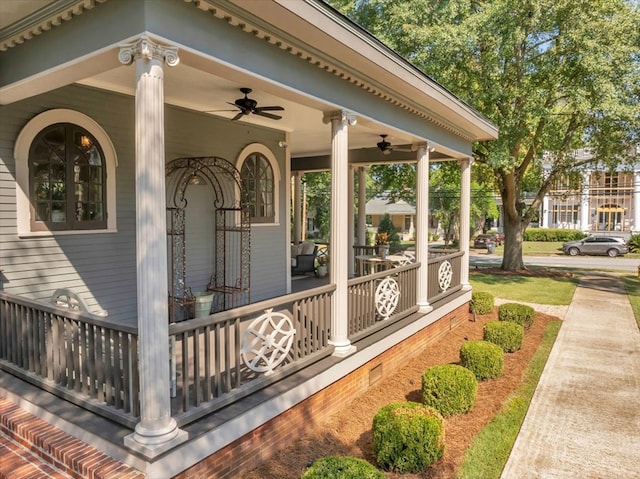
[[407, 437], [481, 303], [517, 313], [449, 389], [342, 467], [484, 359], [507, 335]]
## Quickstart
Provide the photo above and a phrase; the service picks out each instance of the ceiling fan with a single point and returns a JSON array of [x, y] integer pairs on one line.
[[386, 148], [248, 105]]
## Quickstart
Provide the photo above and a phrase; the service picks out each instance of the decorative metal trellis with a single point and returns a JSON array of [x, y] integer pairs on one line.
[[230, 282]]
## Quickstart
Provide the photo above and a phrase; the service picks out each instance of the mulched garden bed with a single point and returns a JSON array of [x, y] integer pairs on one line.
[[349, 431]]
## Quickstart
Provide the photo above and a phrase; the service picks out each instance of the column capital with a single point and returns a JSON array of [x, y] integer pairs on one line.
[[470, 160], [342, 116], [427, 145], [148, 50]]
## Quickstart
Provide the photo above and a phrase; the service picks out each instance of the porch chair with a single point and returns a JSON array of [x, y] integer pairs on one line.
[[303, 258]]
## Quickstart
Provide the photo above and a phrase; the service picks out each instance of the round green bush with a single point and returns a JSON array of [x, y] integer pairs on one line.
[[517, 313], [407, 437], [481, 303], [484, 359], [507, 335], [449, 389], [342, 467]]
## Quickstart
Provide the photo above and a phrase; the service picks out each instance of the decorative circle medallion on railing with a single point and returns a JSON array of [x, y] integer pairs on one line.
[[445, 275], [387, 296], [267, 342]]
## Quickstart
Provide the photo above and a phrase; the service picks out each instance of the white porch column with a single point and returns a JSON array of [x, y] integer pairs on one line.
[[362, 202], [545, 212], [465, 211], [297, 207], [422, 226], [636, 202], [585, 224], [352, 221], [339, 229], [157, 431]]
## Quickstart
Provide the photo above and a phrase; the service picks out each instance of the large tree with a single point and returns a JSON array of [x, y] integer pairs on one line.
[[554, 75]]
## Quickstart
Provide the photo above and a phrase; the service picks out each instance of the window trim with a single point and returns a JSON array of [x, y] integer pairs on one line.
[[21, 154], [268, 154]]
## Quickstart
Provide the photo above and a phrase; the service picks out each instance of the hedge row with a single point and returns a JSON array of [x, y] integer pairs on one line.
[[408, 437], [548, 234]]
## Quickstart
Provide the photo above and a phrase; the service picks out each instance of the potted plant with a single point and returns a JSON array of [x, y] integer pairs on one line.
[[321, 269], [382, 244]]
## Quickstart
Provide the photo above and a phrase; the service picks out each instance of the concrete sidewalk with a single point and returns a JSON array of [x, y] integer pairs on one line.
[[584, 418]]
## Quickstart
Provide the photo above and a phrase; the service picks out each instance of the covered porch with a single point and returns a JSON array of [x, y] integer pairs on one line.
[[164, 393]]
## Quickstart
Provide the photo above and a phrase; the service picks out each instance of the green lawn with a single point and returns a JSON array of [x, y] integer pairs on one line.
[[537, 248], [558, 290], [632, 285]]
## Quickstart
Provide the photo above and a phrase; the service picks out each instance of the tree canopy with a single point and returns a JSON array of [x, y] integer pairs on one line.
[[554, 75]]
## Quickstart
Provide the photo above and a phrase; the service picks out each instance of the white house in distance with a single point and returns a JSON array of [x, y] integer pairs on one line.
[[604, 201], [146, 156]]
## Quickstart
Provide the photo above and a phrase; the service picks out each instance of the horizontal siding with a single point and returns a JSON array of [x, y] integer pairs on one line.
[[101, 267]]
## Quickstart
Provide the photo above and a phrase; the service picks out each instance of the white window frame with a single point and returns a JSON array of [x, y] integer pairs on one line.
[[271, 158], [21, 155]]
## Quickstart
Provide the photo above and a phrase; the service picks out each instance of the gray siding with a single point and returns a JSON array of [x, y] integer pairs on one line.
[[101, 268]]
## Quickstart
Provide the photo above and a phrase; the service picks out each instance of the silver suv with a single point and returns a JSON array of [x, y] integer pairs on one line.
[[609, 245]]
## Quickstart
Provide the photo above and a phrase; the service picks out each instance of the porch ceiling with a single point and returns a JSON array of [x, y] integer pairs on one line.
[[191, 88], [206, 84]]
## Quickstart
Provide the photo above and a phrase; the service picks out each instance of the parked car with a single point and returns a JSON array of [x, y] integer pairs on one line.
[[609, 245], [480, 241]]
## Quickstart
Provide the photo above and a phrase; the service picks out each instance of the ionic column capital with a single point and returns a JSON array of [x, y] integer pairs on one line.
[[423, 145], [146, 49], [342, 116]]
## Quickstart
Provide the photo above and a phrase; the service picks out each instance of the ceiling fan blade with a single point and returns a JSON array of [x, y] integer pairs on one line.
[[217, 111], [238, 116], [267, 115], [268, 108]]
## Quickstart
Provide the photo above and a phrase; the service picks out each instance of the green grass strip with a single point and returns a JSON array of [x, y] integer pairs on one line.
[[532, 289], [490, 449], [632, 286]]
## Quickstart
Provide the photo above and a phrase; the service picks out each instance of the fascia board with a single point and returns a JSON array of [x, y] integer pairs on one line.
[[318, 27]]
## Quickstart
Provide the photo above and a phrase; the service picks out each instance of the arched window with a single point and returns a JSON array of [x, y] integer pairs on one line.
[[65, 174], [67, 180], [260, 179]]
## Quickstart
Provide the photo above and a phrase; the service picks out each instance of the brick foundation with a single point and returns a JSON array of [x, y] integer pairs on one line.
[[252, 449]]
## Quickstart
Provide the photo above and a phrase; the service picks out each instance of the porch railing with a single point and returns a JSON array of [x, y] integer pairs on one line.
[[443, 277], [92, 361], [220, 358], [82, 358], [364, 317]]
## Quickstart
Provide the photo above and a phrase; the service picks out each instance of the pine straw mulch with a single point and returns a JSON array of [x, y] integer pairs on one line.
[[349, 431]]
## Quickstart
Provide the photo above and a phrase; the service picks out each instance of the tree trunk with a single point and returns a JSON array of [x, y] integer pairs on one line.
[[513, 234], [514, 225]]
